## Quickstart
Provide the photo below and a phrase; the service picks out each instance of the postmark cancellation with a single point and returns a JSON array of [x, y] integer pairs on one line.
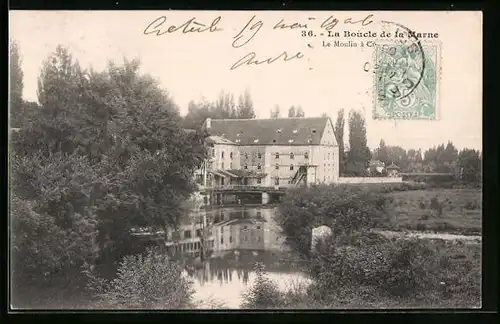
[[406, 80]]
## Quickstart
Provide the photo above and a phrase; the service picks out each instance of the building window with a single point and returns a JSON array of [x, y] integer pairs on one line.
[[246, 155], [259, 156], [258, 227], [259, 215], [230, 239], [259, 181], [258, 239], [276, 181], [198, 232], [222, 154], [306, 155], [221, 240], [222, 227], [213, 152], [291, 167], [246, 167], [246, 238], [277, 155], [230, 155], [277, 166], [328, 156], [291, 156], [187, 234], [222, 165], [231, 165], [259, 166]]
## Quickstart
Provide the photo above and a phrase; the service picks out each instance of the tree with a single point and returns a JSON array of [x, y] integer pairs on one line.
[[16, 86], [469, 166], [223, 108], [324, 115], [414, 161], [275, 113], [300, 112], [150, 162], [54, 227], [138, 173], [291, 111], [245, 106], [382, 153], [339, 134], [359, 153], [60, 89], [398, 156], [449, 158], [197, 114]]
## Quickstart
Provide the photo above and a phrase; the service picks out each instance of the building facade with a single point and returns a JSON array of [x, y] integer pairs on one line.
[[278, 152]]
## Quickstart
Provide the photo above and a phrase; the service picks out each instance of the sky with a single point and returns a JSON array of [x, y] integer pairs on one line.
[[192, 66]]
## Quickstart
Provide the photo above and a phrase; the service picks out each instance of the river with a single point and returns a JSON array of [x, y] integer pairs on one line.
[[239, 237]]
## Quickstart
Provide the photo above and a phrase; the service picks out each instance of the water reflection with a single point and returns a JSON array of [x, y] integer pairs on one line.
[[225, 279], [232, 239]]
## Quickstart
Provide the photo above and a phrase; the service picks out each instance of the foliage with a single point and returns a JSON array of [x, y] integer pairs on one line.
[[264, 293], [339, 134], [275, 112], [469, 165], [223, 108], [296, 111], [144, 281], [441, 158], [53, 219], [369, 267], [105, 153], [16, 85], [342, 208], [359, 153]]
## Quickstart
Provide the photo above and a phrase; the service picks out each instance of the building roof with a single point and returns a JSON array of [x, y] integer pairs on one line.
[[392, 166], [273, 131], [214, 139]]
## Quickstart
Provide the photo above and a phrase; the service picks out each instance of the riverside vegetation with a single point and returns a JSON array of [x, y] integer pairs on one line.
[[358, 268]]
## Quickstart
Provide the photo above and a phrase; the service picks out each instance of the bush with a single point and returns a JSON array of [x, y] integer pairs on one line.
[[343, 208], [264, 293], [472, 205], [149, 281], [365, 269], [436, 206]]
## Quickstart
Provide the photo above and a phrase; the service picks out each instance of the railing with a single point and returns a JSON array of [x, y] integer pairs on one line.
[[246, 188]]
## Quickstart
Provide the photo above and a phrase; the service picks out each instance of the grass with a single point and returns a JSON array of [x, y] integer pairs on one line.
[[455, 211]]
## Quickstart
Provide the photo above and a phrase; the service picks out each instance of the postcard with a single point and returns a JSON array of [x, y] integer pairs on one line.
[[245, 159]]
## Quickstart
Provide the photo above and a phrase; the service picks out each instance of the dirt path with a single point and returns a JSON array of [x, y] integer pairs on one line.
[[441, 236]]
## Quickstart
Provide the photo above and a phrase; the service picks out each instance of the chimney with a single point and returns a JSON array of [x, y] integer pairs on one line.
[[208, 123]]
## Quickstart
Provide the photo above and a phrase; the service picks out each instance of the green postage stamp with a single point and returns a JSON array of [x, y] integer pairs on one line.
[[406, 81]]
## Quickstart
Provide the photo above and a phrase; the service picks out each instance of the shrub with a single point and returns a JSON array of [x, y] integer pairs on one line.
[[472, 204], [264, 293], [343, 208], [365, 269], [146, 281], [436, 206]]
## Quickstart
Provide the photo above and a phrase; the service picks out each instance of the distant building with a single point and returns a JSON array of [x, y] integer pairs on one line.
[[375, 167], [392, 170], [277, 152]]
